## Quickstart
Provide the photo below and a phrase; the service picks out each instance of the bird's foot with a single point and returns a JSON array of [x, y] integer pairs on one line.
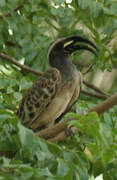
[[71, 131]]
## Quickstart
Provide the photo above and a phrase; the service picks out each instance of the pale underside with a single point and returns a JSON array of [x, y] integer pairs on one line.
[[48, 98]]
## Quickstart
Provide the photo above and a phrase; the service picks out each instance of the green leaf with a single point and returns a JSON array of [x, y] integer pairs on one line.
[[83, 4], [98, 168], [96, 8], [4, 175], [44, 148], [108, 155], [3, 83], [112, 10], [17, 96], [45, 172], [62, 169], [4, 115], [2, 3], [24, 84], [10, 90], [28, 141]]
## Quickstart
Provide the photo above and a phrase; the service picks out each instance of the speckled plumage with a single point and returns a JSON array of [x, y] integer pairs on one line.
[[39, 96]]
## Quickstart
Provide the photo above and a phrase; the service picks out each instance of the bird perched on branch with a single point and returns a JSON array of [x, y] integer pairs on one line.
[[57, 89]]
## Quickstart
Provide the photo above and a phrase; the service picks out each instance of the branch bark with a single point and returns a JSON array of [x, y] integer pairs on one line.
[[14, 61], [99, 96], [10, 43], [89, 68], [95, 88], [105, 105], [54, 130]]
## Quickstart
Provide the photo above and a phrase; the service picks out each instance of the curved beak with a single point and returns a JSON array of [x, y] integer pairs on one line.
[[75, 43]]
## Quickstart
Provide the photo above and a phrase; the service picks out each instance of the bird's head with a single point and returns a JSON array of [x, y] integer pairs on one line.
[[61, 49]]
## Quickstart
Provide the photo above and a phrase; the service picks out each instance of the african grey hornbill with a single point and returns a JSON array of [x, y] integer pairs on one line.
[[57, 89]]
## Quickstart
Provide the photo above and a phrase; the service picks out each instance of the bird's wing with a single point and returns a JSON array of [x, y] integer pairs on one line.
[[39, 96]]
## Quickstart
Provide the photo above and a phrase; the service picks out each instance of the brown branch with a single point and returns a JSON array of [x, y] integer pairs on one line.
[[18, 8], [49, 132], [60, 137], [52, 132], [89, 68], [95, 88], [14, 61], [63, 135], [10, 43], [105, 105], [100, 96]]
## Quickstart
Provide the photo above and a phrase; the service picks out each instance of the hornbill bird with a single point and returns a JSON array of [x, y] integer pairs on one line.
[[57, 89]]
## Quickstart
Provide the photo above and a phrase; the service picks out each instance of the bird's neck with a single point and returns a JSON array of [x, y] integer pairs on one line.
[[64, 65]]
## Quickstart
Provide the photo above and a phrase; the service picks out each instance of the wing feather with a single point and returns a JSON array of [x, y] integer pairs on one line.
[[39, 96]]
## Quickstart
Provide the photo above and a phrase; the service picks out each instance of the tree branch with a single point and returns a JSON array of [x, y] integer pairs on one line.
[[60, 137], [14, 61], [105, 105], [95, 88], [10, 43], [49, 132], [89, 68], [100, 96]]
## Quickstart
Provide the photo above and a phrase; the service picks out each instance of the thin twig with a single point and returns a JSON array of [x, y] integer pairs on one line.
[[100, 96], [95, 88], [14, 61], [89, 68], [10, 43], [52, 25]]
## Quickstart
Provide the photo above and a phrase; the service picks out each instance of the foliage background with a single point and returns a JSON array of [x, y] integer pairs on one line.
[[25, 34]]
